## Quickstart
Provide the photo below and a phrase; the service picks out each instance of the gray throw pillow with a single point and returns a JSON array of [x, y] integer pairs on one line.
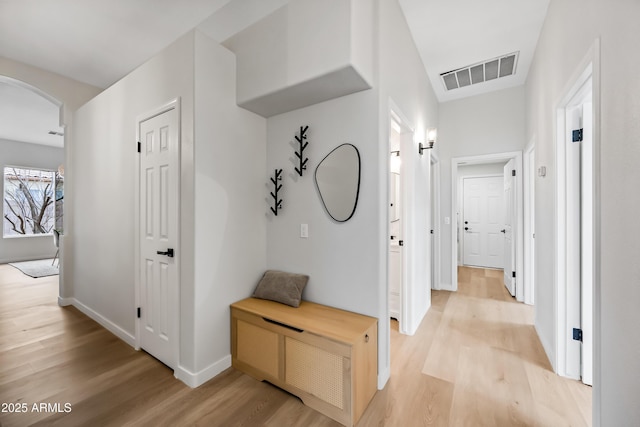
[[282, 287]]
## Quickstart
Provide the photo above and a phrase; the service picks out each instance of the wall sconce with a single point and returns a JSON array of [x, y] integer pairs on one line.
[[431, 139]]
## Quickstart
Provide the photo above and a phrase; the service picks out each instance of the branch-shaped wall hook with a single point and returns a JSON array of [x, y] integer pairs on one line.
[[303, 144], [277, 203]]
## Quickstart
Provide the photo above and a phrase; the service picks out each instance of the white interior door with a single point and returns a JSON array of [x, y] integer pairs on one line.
[[159, 186], [482, 220], [509, 223]]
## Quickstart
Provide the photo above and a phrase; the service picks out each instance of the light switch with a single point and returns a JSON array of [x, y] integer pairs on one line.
[[447, 220], [304, 231]]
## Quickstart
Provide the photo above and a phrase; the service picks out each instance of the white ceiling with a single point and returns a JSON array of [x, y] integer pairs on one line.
[[100, 41], [452, 34]]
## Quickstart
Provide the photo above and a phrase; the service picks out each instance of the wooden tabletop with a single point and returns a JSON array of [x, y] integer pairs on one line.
[[333, 323]]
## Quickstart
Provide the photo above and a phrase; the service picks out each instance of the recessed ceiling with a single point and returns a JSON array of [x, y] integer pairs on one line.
[[454, 34]]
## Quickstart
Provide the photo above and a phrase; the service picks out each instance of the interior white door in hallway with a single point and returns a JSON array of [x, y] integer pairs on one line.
[[159, 192], [509, 223], [482, 220]]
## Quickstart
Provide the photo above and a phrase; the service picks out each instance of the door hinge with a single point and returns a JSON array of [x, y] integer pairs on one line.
[[139, 146], [431, 231], [513, 172], [577, 334], [139, 312], [576, 135], [400, 242], [513, 274]]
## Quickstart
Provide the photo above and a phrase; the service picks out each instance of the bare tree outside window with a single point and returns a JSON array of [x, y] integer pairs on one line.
[[28, 201]]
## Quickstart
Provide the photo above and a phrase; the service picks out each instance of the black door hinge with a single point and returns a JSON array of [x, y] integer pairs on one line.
[[577, 334], [513, 274], [513, 172], [139, 312], [139, 146], [576, 135]]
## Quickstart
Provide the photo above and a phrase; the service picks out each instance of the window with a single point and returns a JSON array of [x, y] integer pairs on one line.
[[28, 202]]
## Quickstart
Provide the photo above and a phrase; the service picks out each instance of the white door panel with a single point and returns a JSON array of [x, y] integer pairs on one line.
[[159, 188], [482, 219]]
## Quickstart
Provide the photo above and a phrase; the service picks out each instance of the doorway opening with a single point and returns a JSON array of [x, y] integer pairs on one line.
[[33, 155], [513, 162]]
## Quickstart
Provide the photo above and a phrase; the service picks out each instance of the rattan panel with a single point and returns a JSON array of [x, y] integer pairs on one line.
[[315, 371]]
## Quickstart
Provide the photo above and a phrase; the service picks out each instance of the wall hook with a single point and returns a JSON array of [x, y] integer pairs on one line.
[[303, 144], [277, 203]]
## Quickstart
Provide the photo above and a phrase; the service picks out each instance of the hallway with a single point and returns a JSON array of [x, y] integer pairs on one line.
[[475, 360]]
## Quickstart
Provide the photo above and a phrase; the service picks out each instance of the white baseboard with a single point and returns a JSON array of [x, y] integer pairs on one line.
[[106, 323], [446, 287], [64, 302], [383, 377], [194, 380]]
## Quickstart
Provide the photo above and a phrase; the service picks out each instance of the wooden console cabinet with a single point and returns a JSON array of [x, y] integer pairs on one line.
[[325, 356]]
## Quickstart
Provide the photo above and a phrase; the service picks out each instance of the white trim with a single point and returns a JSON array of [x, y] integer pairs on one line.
[[194, 380], [529, 175], [103, 321], [64, 302], [589, 67], [435, 221], [173, 104], [481, 159], [407, 130], [383, 377]]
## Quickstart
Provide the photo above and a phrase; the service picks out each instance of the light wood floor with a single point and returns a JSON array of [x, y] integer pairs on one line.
[[474, 361]]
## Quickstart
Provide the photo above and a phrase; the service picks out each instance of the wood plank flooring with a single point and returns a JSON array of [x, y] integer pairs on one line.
[[475, 361]]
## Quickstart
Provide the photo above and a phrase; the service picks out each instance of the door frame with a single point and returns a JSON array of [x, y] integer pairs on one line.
[[529, 175], [406, 141], [586, 79], [174, 104], [481, 159], [435, 219]]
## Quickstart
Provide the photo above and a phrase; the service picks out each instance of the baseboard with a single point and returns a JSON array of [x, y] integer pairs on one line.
[[64, 302], [194, 380], [106, 323], [446, 287], [383, 377]]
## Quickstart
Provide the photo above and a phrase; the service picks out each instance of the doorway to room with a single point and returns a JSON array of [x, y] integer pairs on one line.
[[32, 159], [510, 167]]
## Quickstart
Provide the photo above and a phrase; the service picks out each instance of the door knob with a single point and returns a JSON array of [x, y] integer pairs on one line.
[[466, 228], [503, 231], [466, 222], [168, 253]]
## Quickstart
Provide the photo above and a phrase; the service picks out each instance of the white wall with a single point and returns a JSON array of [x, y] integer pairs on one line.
[[104, 158], [484, 124], [14, 153], [230, 171], [302, 54], [404, 86], [559, 55]]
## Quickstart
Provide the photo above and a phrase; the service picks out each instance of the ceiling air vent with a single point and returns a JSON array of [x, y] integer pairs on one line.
[[491, 69]]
